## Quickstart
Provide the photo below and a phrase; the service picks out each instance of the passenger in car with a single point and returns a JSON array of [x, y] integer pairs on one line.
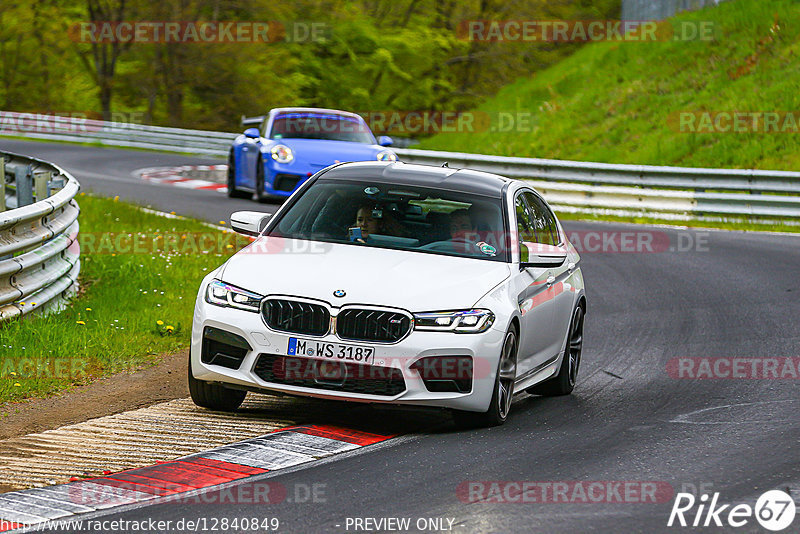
[[367, 221]]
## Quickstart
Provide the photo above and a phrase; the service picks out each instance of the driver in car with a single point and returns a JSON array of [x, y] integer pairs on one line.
[[461, 227]]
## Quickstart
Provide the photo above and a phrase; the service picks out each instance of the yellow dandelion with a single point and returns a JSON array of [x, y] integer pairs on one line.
[[170, 328], [159, 322], [229, 246], [13, 373], [17, 384], [116, 198], [222, 222], [80, 323], [88, 309], [172, 213]]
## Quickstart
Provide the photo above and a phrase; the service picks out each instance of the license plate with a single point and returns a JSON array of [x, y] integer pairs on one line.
[[331, 351]]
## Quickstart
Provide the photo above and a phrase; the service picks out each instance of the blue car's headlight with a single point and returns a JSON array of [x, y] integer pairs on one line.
[[282, 154], [221, 294], [461, 322], [387, 155]]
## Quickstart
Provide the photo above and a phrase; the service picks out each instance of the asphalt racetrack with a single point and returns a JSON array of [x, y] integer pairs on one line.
[[642, 412]]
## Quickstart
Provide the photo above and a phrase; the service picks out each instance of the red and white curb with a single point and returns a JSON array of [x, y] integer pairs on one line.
[[186, 176], [283, 448]]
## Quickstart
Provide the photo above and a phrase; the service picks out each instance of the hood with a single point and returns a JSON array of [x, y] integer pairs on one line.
[[324, 153], [414, 281]]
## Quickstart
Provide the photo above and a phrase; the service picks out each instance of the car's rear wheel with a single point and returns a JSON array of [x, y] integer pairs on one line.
[[232, 191], [564, 382], [500, 405], [214, 396]]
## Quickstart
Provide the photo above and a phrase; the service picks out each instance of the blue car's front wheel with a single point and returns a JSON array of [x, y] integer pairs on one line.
[[232, 191]]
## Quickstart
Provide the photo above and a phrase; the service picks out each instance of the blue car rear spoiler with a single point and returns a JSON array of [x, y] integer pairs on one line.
[[252, 121]]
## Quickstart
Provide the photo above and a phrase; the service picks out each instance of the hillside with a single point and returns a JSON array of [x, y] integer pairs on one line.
[[621, 102]]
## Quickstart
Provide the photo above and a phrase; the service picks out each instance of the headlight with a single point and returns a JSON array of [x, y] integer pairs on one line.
[[461, 322], [282, 154], [221, 294], [387, 155]]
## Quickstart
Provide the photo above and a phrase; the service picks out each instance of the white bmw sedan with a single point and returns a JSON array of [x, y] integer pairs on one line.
[[395, 283]]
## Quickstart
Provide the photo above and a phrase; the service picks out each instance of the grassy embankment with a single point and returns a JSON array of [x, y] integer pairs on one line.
[[621, 102], [138, 284]]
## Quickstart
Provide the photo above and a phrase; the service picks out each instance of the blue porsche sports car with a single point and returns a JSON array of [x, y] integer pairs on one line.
[[291, 144]]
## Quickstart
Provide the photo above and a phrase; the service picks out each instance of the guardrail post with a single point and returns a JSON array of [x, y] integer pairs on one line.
[[3, 182], [24, 186], [41, 181], [55, 182]]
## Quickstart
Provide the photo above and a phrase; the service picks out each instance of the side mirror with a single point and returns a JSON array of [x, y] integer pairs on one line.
[[252, 133], [249, 222], [385, 140], [539, 255]]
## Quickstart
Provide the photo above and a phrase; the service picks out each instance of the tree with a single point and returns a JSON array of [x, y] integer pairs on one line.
[[105, 53]]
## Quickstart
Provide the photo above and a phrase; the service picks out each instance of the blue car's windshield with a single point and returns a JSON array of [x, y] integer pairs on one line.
[[398, 216], [326, 126]]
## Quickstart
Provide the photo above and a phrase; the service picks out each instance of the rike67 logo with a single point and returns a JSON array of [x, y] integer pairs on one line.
[[774, 510]]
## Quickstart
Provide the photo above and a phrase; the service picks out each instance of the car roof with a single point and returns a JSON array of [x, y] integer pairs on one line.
[[446, 178], [276, 111]]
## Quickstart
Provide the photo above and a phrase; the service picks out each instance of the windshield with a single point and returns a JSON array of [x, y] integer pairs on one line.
[[398, 216], [327, 126]]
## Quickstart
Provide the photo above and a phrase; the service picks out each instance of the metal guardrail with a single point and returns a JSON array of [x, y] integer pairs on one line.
[[39, 250], [642, 189], [664, 192], [117, 134], [640, 10]]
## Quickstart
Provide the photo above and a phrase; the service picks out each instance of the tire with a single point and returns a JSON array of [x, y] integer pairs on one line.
[[232, 191], [503, 390], [214, 396], [564, 382]]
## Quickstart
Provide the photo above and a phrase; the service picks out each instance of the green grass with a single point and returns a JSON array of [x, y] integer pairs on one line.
[[125, 290], [618, 102]]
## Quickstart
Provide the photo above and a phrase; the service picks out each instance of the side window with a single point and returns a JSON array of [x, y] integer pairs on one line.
[[543, 220], [525, 225]]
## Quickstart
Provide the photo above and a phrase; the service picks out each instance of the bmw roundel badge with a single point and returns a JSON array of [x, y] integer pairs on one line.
[[339, 293]]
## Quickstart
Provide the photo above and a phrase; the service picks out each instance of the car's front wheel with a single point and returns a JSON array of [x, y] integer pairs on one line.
[[503, 391], [232, 191], [564, 382], [214, 396]]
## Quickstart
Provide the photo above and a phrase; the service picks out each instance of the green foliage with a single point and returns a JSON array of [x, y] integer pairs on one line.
[[374, 55], [620, 102]]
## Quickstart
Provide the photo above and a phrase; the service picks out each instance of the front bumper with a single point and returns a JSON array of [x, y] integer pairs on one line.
[[282, 179], [483, 348]]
